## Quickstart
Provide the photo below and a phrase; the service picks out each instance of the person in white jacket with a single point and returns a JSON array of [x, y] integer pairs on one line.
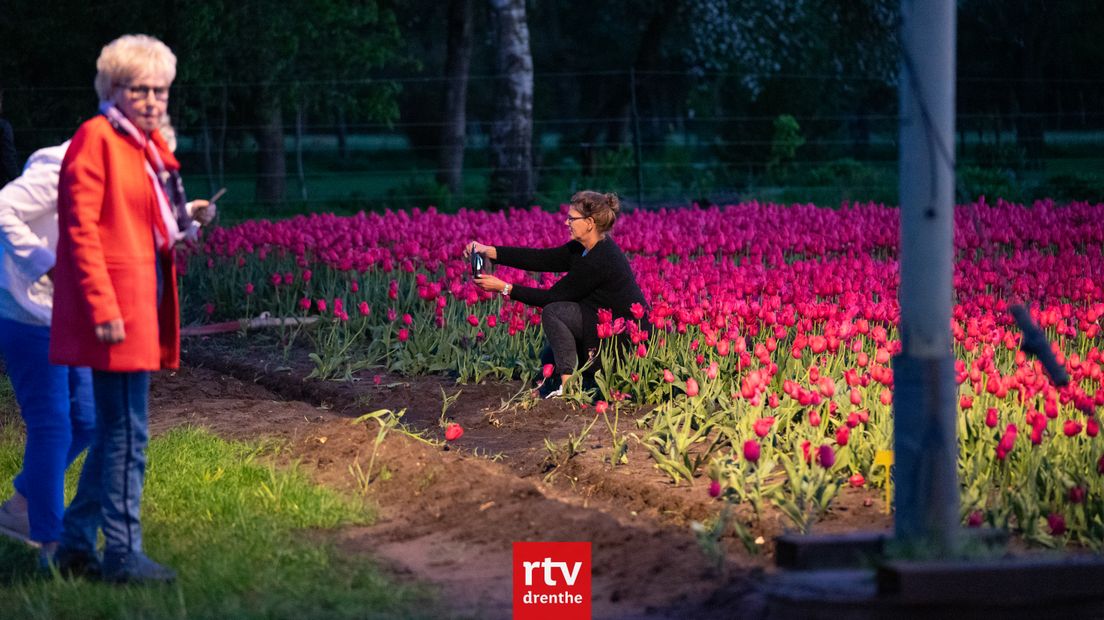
[[56, 402]]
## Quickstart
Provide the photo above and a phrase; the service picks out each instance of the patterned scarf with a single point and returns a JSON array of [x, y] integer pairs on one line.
[[167, 184]]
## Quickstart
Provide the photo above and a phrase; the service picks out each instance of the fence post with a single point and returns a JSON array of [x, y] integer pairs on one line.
[[636, 138]]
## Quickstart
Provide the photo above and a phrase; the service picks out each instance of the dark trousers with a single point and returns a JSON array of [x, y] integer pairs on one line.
[[563, 327], [109, 494]]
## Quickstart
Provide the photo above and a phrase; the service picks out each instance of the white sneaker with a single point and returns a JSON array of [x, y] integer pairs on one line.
[[556, 393], [14, 522]]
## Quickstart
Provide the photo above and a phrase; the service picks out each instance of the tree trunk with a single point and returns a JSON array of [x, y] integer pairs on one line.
[[342, 131], [299, 152], [224, 122], [610, 120], [512, 130], [208, 164], [271, 163], [451, 157]]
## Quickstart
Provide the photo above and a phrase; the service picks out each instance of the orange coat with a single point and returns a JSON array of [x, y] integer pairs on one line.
[[106, 256]]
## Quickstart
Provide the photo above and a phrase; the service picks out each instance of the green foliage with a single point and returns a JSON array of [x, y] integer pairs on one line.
[[1071, 187], [251, 561], [1003, 156], [786, 140], [989, 182], [8, 406]]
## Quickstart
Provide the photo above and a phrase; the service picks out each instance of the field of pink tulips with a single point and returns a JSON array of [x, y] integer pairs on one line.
[[764, 377]]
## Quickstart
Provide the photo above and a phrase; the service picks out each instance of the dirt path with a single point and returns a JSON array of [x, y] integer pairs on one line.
[[450, 516]]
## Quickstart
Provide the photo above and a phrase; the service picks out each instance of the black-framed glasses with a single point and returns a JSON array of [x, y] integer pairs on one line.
[[141, 91], [572, 219]]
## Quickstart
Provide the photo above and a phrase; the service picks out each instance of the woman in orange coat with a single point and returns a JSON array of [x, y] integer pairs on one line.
[[120, 210]]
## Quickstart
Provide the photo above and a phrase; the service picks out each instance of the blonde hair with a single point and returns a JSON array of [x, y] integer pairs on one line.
[[130, 56], [602, 208]]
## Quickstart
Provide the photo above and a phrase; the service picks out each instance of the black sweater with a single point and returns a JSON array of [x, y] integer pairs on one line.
[[601, 279]]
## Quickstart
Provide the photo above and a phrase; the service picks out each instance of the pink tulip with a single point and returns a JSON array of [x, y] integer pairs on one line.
[[751, 451], [1076, 494], [1057, 524], [714, 488], [691, 387]]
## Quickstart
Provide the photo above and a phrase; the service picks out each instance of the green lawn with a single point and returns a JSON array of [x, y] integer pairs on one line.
[[234, 526]]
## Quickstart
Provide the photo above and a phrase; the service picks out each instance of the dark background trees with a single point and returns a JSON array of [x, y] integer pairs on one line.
[[371, 103]]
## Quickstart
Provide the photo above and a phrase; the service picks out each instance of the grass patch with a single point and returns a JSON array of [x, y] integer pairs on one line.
[[232, 525]]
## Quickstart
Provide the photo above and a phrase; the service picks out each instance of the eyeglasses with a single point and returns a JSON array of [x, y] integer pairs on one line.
[[571, 219], [140, 91]]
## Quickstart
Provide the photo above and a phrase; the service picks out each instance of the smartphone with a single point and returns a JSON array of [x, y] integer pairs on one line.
[[477, 262], [217, 195]]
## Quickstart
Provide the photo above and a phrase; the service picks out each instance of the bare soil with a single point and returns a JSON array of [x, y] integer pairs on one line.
[[449, 512]]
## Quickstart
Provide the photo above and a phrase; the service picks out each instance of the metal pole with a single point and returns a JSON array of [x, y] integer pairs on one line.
[[636, 139], [924, 402]]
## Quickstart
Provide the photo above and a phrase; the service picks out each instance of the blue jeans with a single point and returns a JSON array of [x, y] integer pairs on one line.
[[109, 495], [58, 410]]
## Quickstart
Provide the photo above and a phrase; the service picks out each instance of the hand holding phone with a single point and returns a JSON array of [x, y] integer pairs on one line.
[[478, 262]]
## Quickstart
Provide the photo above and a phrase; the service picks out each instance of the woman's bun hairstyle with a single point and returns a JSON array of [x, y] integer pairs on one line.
[[602, 208]]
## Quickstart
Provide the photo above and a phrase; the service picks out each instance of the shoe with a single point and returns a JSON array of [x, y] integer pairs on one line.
[[70, 563], [14, 522], [551, 387], [136, 568]]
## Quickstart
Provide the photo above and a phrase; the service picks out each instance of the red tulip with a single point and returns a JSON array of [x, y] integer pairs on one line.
[[1007, 442], [453, 432], [1071, 428], [843, 435], [762, 426], [601, 407], [856, 480]]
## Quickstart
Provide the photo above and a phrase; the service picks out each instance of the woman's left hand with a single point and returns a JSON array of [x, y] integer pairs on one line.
[[489, 283], [202, 211]]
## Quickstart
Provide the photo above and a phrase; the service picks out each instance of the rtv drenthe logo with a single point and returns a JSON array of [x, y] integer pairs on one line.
[[551, 580]]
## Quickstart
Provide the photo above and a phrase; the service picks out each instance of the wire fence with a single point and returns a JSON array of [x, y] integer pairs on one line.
[[670, 142]]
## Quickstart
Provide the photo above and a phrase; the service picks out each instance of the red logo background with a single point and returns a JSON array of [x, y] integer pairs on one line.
[[567, 553]]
